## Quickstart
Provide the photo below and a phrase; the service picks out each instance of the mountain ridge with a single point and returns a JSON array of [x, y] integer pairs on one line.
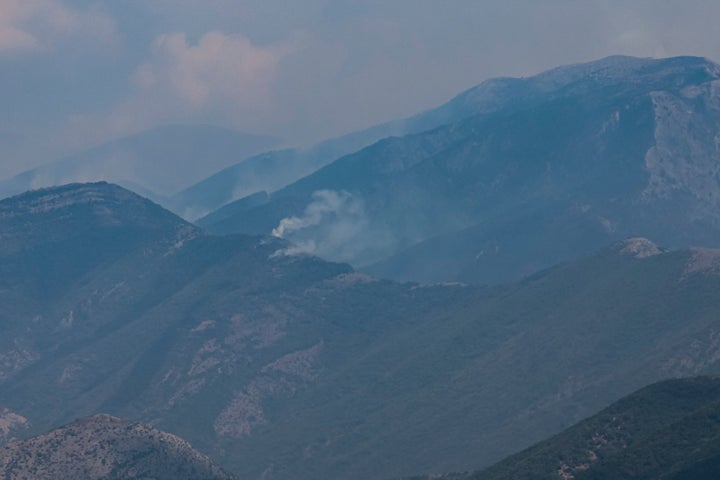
[[287, 364], [228, 185], [155, 163], [594, 158], [106, 447]]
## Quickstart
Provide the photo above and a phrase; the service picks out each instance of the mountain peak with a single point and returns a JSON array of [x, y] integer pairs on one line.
[[103, 446], [101, 197], [613, 64], [55, 198], [101, 419], [651, 72], [637, 247], [83, 210], [158, 162]]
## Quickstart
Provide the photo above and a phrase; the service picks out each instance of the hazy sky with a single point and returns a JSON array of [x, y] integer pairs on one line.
[[74, 73]]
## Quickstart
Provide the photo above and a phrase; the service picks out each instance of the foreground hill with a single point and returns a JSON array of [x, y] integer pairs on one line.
[[583, 156], [669, 430], [283, 366], [158, 162], [102, 447]]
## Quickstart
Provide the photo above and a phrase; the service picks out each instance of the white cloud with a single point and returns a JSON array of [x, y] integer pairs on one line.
[[221, 79], [305, 70], [32, 25], [218, 69]]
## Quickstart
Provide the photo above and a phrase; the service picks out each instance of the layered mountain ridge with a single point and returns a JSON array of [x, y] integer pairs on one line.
[[551, 167], [270, 171], [282, 365], [156, 163]]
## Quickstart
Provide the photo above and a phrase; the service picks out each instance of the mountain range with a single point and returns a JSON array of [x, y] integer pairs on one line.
[[157, 163], [459, 291], [270, 171], [533, 172], [507, 178], [165, 163], [282, 365]]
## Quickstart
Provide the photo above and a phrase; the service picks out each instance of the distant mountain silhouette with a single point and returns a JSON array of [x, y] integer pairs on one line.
[[156, 163]]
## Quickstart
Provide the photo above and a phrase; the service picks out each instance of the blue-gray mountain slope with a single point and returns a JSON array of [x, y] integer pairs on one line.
[[270, 171], [290, 367], [668, 430], [573, 159]]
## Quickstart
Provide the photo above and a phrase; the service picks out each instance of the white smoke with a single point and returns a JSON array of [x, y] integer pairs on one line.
[[327, 227], [324, 203]]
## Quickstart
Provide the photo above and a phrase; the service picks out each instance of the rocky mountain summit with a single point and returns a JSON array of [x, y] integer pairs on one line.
[[101, 210], [102, 447]]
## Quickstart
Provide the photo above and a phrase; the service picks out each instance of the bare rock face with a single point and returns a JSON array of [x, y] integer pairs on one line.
[[704, 260], [639, 247], [106, 447], [10, 422], [684, 155]]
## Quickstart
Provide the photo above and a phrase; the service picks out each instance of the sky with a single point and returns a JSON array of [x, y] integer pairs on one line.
[[77, 73]]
